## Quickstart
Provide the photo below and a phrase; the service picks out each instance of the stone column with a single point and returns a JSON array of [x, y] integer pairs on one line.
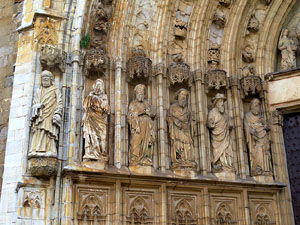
[[159, 70], [238, 125]]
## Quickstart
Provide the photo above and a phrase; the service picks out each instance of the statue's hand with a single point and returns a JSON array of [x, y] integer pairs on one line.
[[35, 110], [56, 120]]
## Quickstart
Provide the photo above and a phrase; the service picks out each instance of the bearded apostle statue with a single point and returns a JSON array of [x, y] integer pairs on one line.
[[181, 131], [46, 118], [218, 123], [95, 113], [141, 124], [257, 138]]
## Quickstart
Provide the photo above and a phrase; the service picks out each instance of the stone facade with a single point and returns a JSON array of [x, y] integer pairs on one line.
[[164, 136]]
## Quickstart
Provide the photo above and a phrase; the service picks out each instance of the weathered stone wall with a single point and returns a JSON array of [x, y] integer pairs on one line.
[[10, 12]]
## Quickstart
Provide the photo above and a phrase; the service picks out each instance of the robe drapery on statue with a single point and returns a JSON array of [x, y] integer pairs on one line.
[[258, 144], [142, 133], [220, 138], [47, 105], [95, 113]]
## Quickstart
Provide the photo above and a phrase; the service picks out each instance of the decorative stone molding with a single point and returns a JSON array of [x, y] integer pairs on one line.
[[179, 72], [139, 66], [42, 166], [91, 208], [52, 57], [32, 200], [46, 32], [224, 215], [216, 79], [251, 85], [262, 216]]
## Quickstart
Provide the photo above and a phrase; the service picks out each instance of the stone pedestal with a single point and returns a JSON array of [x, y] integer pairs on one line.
[[142, 169], [185, 172], [225, 175], [98, 165], [263, 178], [42, 166]]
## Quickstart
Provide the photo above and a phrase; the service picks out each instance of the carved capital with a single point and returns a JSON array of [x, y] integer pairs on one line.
[[52, 57], [77, 56], [179, 72], [251, 85]]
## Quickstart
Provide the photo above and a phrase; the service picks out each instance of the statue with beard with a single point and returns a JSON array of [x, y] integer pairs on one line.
[[257, 140], [181, 131], [218, 123], [142, 132]]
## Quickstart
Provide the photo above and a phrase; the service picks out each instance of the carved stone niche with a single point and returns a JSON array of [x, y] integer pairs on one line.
[[96, 63], [179, 72], [52, 57], [139, 66], [251, 85], [216, 79]]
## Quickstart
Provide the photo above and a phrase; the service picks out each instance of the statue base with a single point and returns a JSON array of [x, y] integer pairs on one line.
[[185, 169], [95, 164], [226, 173], [267, 177], [142, 169], [42, 166]]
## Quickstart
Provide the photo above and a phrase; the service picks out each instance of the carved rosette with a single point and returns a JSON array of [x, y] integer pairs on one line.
[[96, 61], [52, 57], [139, 65], [216, 79], [251, 85], [179, 72]]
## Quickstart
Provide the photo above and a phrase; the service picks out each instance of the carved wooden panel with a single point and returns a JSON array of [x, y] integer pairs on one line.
[[225, 209], [262, 210], [183, 208], [140, 207], [92, 205]]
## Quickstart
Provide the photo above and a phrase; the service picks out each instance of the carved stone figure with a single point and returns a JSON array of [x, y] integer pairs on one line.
[[46, 117], [288, 48], [253, 24], [248, 70], [181, 131], [142, 132], [219, 18], [218, 123], [95, 113], [257, 139], [248, 54]]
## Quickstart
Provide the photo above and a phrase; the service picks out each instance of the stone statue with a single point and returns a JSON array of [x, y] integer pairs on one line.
[[95, 113], [46, 118], [181, 131], [218, 123], [248, 54], [257, 139], [288, 48], [142, 132]]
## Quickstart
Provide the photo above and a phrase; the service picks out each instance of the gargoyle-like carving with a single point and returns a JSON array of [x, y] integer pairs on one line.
[[253, 24], [216, 79], [288, 49], [251, 85], [180, 28], [248, 54], [101, 20], [224, 215], [139, 65], [96, 61], [219, 19], [52, 57], [179, 71]]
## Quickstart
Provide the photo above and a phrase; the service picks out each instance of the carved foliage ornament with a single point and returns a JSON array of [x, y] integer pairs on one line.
[[139, 65], [52, 57], [179, 71], [251, 85], [216, 79]]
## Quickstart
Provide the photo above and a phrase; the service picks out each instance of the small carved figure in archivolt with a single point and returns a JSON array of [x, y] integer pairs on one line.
[[95, 113], [181, 131], [46, 117], [256, 131], [140, 119], [218, 123], [288, 50]]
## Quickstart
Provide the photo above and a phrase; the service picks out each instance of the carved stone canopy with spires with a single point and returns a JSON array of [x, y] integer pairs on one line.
[[139, 65], [178, 71], [251, 85], [216, 79]]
